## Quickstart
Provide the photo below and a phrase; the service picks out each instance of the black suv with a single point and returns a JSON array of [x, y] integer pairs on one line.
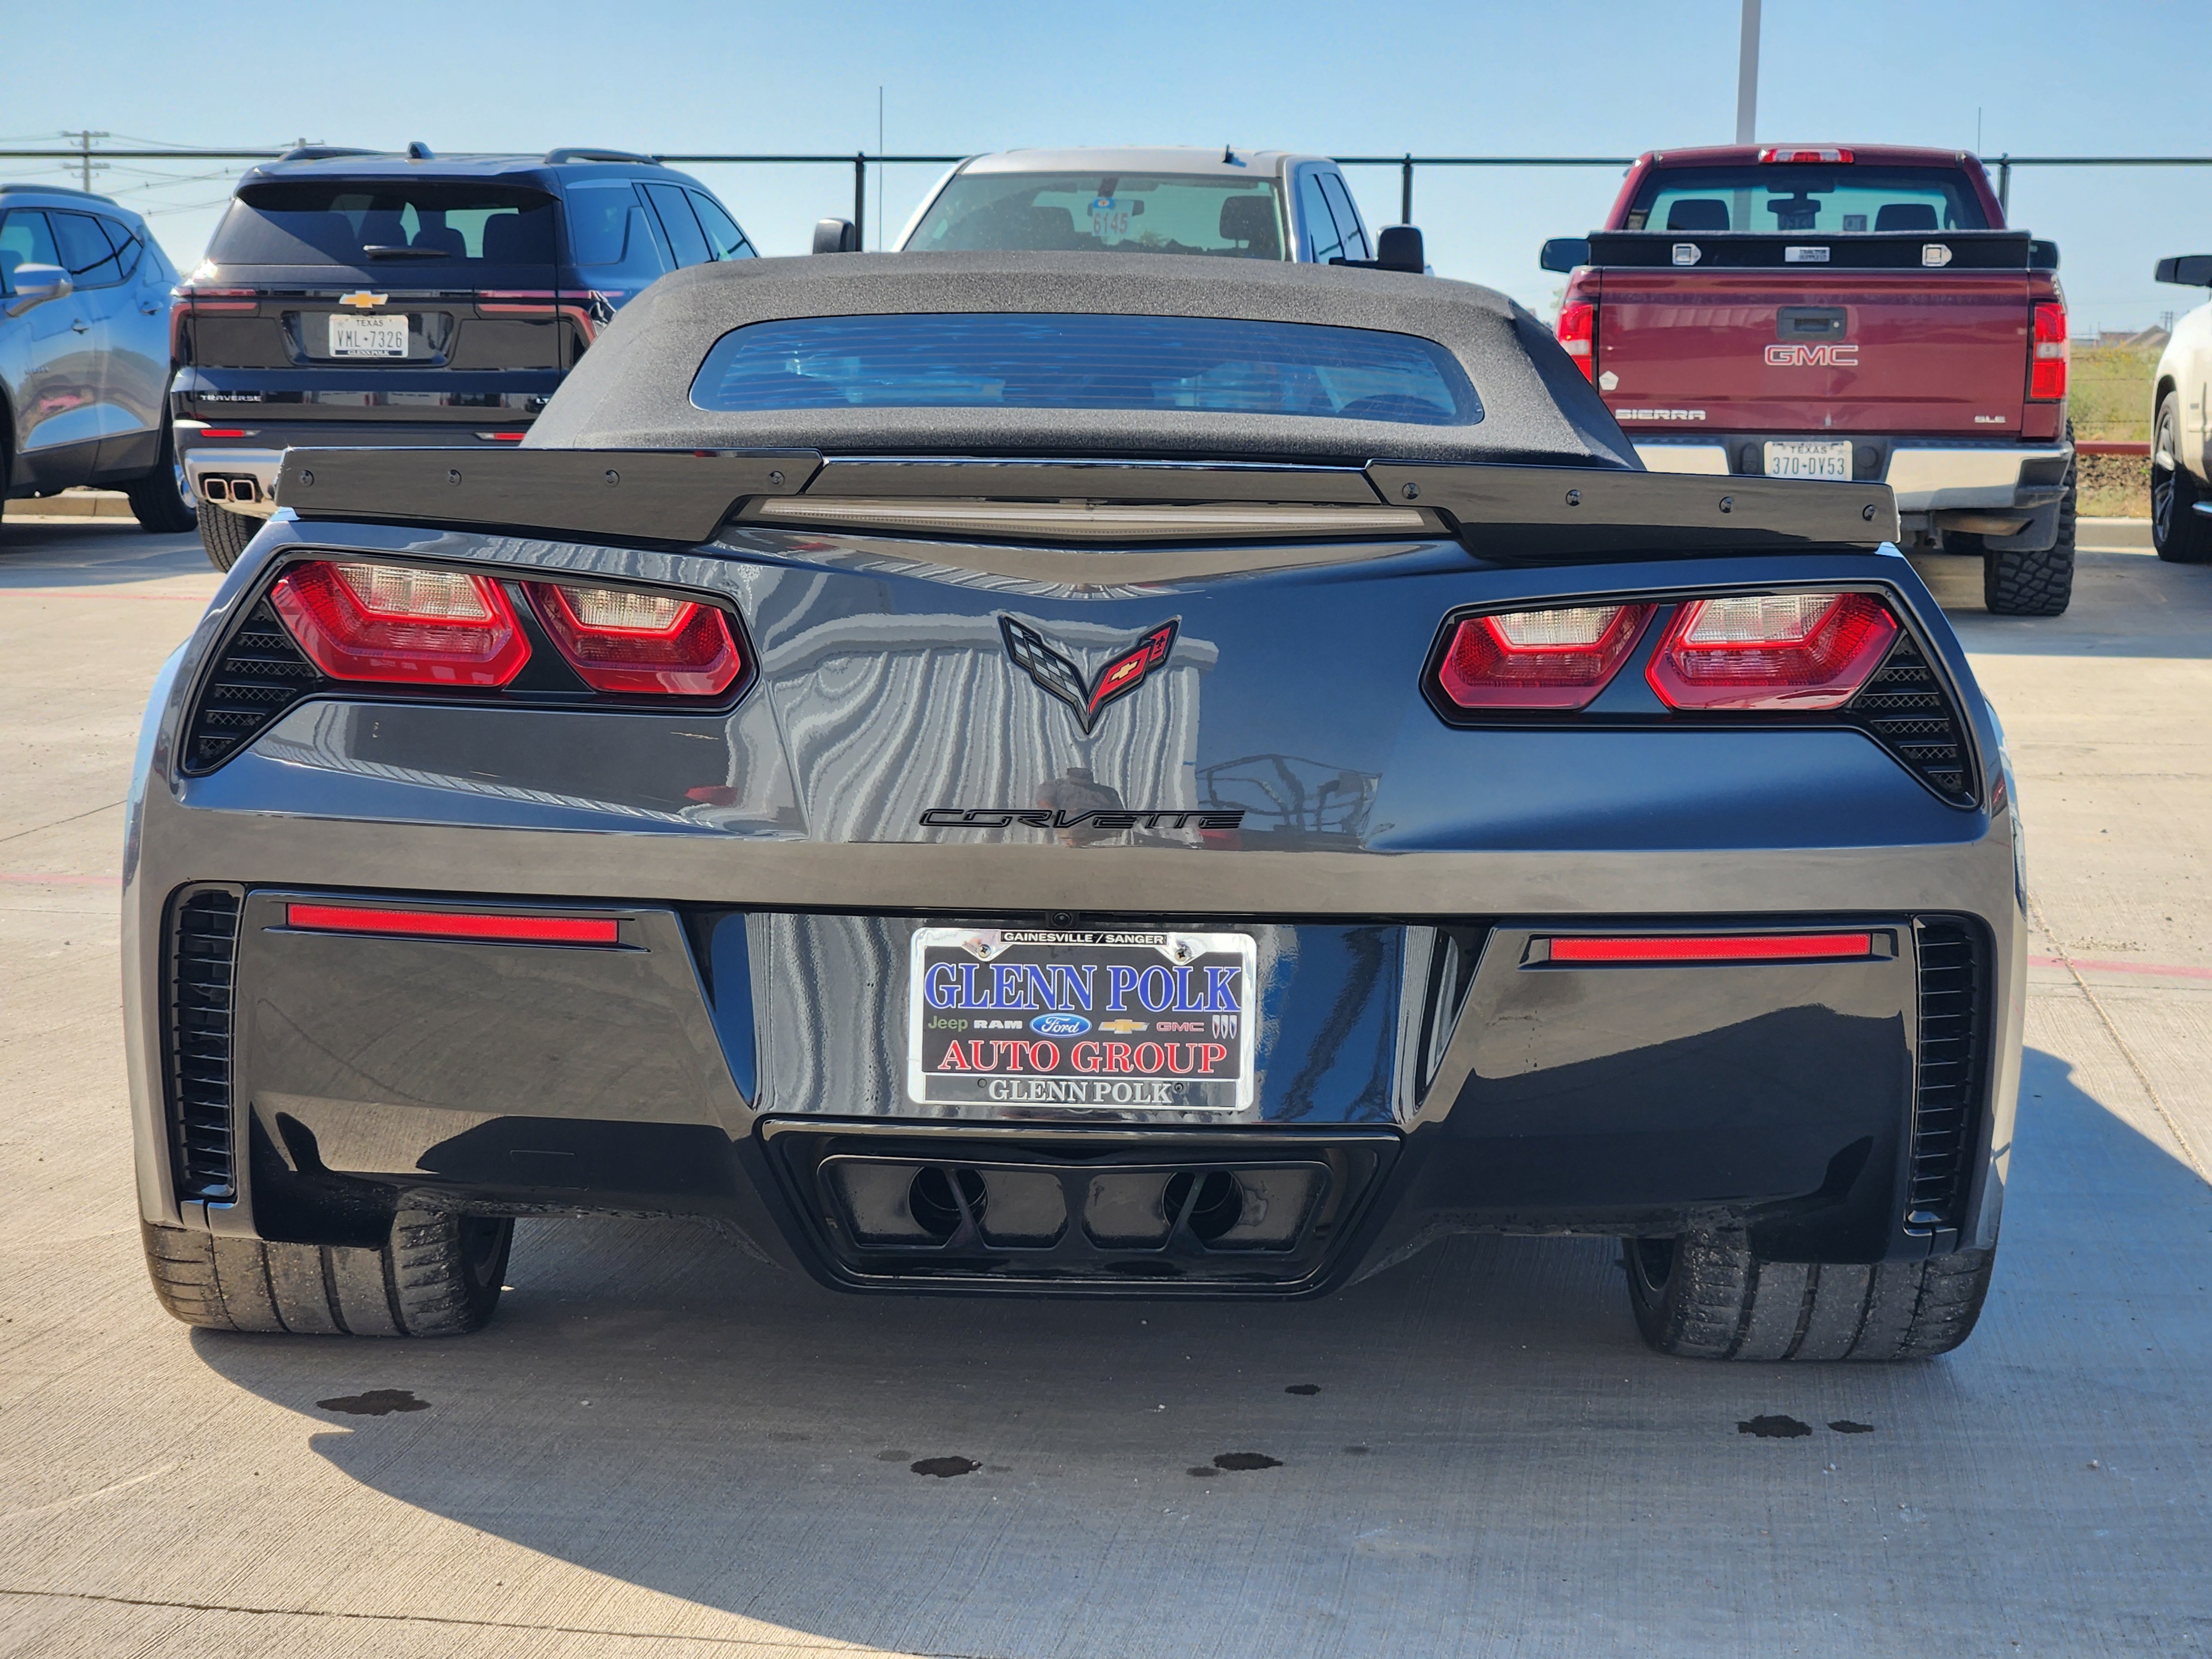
[[353, 297]]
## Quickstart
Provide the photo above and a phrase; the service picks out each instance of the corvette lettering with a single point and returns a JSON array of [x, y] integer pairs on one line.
[[1845, 356], [1039, 818], [1059, 676]]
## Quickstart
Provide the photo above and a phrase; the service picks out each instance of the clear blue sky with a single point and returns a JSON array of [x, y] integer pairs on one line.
[[1422, 74]]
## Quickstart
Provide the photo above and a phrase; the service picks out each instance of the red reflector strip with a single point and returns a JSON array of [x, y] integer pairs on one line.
[[1734, 947], [449, 924]]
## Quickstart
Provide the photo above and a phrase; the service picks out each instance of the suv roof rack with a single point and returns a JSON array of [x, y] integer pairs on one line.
[[555, 158], [324, 152]]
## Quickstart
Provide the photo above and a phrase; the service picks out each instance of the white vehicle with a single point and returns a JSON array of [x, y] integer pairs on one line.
[[1250, 205], [2181, 411]]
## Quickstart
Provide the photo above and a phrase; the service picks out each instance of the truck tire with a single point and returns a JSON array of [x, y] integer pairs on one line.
[[225, 534], [163, 501], [437, 1275], [2034, 584], [1705, 1296], [2178, 531]]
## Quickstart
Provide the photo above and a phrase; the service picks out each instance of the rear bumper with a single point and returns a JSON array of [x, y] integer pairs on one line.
[[2007, 492], [744, 1068]]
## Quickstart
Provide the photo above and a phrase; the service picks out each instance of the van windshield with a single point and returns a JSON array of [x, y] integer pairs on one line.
[[1064, 360], [399, 222], [1115, 212], [1798, 198]]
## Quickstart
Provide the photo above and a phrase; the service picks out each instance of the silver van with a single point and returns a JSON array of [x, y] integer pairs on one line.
[[84, 353]]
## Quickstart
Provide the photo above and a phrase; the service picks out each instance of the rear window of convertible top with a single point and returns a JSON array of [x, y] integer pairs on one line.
[[1063, 360]]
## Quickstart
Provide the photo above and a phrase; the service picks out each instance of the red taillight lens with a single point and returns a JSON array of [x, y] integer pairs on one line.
[[619, 640], [398, 624], [1828, 153], [2047, 376], [1579, 335], [1801, 651], [1711, 947], [1538, 658], [452, 924]]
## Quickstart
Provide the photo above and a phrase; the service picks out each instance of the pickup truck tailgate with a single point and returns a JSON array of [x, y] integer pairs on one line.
[[1774, 351], [1847, 347]]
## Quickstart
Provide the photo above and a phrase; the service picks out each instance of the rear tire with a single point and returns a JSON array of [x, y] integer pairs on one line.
[[437, 1275], [224, 534], [163, 500], [2035, 584], [1705, 1296], [2178, 531]]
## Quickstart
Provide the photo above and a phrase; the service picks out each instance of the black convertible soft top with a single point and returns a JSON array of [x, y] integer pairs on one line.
[[632, 389]]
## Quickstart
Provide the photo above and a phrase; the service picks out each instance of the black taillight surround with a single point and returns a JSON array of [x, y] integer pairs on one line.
[[249, 660], [1911, 659]]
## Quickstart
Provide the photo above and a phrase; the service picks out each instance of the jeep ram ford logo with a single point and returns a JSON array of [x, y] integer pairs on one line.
[[1845, 356]]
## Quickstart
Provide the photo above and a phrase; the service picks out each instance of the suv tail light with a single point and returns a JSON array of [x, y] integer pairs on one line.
[[1579, 335], [1798, 651], [2046, 374], [619, 639], [1558, 659], [398, 624]]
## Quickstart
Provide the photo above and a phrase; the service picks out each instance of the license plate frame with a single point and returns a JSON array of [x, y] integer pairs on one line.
[[1200, 1056], [1807, 457], [348, 334]]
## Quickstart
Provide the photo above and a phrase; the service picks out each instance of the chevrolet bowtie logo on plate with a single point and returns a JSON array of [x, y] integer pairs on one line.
[[1058, 676], [363, 299]]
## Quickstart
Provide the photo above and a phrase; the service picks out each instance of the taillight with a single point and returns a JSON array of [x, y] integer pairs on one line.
[[1799, 651], [1579, 335], [180, 311], [1828, 153], [1558, 659], [619, 639], [401, 625], [2047, 376]]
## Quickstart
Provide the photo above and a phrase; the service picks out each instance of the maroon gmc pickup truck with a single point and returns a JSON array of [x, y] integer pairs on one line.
[[1834, 312]]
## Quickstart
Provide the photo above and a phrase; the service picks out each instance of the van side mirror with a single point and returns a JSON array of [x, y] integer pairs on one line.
[[1398, 247], [1563, 253], [34, 285], [837, 236], [2188, 270]]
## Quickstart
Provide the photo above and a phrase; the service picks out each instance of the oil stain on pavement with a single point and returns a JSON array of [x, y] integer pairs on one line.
[[377, 1402]]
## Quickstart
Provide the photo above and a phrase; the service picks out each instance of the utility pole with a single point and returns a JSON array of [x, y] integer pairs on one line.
[[85, 165], [1747, 77]]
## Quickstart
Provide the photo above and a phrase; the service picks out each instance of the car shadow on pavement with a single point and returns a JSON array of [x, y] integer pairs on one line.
[[1471, 1445], [86, 552]]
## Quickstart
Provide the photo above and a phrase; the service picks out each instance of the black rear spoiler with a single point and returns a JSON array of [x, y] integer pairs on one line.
[[1928, 249], [686, 496]]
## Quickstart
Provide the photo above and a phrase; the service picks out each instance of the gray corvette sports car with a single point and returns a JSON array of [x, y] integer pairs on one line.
[[1010, 774]]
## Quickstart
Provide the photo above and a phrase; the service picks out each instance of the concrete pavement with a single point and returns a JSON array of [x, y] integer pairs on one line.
[[656, 1451]]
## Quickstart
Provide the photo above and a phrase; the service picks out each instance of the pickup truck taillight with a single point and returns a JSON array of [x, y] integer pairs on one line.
[[2046, 374], [1579, 335]]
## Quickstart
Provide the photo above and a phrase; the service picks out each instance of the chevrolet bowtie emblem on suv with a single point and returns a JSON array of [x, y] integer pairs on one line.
[[363, 299], [1059, 676]]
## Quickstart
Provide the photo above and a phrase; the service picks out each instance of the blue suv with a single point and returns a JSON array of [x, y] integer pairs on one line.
[[354, 297]]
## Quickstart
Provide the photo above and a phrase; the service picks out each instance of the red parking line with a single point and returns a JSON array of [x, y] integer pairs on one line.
[[2157, 970]]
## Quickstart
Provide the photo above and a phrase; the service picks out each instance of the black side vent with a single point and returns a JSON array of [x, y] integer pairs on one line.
[[1906, 709], [1953, 983], [259, 674], [203, 970]]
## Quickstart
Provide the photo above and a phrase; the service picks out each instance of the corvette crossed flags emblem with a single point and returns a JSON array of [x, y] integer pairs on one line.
[[1059, 676]]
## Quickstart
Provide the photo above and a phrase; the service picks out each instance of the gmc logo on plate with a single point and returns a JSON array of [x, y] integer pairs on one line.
[[1845, 356]]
